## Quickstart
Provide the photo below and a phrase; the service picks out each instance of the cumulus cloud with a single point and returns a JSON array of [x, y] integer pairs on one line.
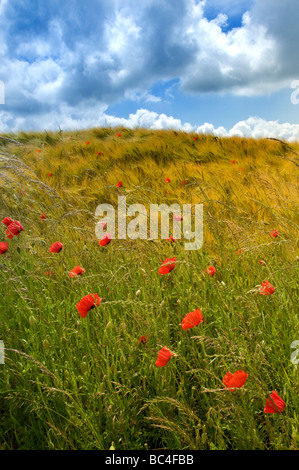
[[255, 127], [68, 119], [60, 59]]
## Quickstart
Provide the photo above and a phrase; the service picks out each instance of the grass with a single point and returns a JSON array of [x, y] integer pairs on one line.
[[88, 383]]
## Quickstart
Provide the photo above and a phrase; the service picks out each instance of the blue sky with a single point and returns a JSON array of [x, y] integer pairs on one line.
[[222, 67]]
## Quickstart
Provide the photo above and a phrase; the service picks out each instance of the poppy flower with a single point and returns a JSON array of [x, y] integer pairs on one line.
[[262, 262], [241, 168], [192, 319], [167, 180], [239, 251], [48, 273], [266, 288], [184, 182], [56, 247], [99, 153], [87, 142], [232, 162], [171, 239], [142, 339], [76, 271], [118, 135], [119, 184], [3, 247], [87, 303], [38, 151], [43, 216], [236, 380], [14, 229], [195, 138], [177, 217], [7, 221], [167, 265], [274, 234], [210, 270], [163, 357], [275, 404], [105, 240], [50, 174]]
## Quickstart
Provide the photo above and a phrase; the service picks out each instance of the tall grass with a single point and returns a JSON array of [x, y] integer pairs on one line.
[[88, 383]]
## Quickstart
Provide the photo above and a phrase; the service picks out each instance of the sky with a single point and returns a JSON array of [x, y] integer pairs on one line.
[[222, 67]]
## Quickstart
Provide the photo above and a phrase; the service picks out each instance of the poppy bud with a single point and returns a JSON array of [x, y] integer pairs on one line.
[[32, 320]]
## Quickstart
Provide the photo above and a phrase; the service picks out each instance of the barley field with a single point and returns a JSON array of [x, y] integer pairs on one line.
[[97, 358]]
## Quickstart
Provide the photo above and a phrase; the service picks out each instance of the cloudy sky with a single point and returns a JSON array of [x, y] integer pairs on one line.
[[217, 66]]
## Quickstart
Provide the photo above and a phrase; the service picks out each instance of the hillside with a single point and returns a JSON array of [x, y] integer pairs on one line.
[[74, 382]]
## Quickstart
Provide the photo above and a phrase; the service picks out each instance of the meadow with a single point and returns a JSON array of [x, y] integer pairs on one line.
[[72, 382]]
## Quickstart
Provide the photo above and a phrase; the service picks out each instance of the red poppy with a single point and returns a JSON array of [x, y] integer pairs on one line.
[[163, 357], [77, 271], [99, 153], [195, 138], [266, 288], [38, 151], [192, 319], [262, 262], [49, 273], [210, 270], [43, 216], [236, 380], [241, 168], [274, 234], [7, 221], [167, 180], [87, 142], [87, 303], [119, 184], [14, 229], [232, 162], [171, 239], [50, 174], [167, 265], [275, 404], [184, 182], [105, 240], [118, 135], [56, 247], [142, 339], [3, 247], [239, 251]]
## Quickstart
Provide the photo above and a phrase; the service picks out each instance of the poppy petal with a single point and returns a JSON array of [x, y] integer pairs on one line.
[[192, 319], [87, 303], [236, 380], [163, 357], [274, 404]]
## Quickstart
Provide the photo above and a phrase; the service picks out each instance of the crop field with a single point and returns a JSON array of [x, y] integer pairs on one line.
[[98, 349]]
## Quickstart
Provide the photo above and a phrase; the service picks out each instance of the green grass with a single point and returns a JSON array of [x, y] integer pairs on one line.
[[87, 383]]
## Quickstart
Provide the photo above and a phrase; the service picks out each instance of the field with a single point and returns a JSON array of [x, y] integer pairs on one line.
[[91, 382]]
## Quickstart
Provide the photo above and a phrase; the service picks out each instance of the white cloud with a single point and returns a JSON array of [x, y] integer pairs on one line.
[[255, 127], [89, 115]]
